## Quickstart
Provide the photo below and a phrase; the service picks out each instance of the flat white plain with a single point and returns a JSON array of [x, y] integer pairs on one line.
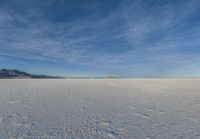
[[100, 108]]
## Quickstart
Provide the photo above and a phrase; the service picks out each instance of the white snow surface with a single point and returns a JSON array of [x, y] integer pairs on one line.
[[100, 109]]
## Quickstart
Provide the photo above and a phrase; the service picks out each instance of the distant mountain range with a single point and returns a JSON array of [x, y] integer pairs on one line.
[[14, 73]]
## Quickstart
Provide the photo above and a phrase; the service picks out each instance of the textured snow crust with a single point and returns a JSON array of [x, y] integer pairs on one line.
[[100, 109]]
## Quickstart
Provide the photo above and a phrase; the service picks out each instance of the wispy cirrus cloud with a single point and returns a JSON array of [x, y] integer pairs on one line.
[[126, 38]]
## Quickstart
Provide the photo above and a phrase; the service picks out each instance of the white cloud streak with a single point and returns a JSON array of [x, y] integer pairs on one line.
[[154, 38]]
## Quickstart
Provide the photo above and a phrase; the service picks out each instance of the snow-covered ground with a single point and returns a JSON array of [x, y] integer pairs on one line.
[[100, 108]]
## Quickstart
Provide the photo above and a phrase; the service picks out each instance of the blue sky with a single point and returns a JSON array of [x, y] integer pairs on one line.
[[129, 38]]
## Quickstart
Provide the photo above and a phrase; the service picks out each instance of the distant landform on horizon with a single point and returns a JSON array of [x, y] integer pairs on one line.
[[17, 74]]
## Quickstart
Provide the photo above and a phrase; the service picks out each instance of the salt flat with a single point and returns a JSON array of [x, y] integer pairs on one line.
[[100, 108]]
